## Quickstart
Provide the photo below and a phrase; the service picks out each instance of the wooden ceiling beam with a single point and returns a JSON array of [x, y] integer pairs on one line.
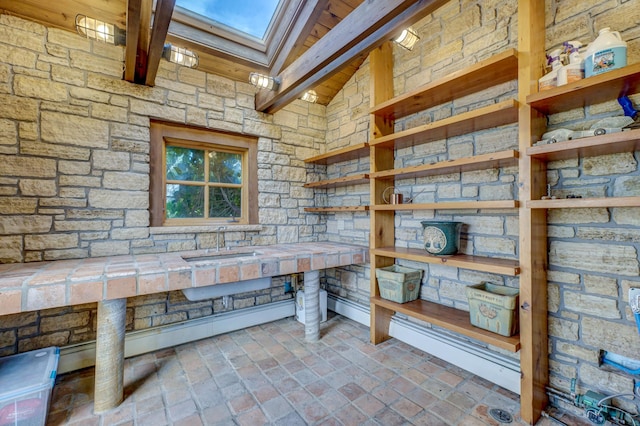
[[134, 7], [143, 41], [161, 20], [303, 25], [368, 26]]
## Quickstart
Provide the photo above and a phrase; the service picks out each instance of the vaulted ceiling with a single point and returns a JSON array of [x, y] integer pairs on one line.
[[318, 45]]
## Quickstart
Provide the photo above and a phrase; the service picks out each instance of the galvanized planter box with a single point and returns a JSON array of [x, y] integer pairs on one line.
[[493, 307], [398, 283]]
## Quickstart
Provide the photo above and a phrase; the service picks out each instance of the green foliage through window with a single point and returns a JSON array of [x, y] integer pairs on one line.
[[192, 183]]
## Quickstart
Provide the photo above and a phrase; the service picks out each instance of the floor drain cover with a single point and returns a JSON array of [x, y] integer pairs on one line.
[[501, 415]]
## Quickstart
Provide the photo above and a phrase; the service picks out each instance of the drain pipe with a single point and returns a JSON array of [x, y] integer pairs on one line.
[[628, 365]]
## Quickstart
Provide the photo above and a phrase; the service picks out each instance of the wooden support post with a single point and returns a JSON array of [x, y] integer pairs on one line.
[[312, 306], [382, 222], [534, 362], [110, 354]]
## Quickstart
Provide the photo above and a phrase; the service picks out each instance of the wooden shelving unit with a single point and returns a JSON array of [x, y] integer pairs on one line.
[[613, 143], [449, 205], [584, 203], [589, 91], [533, 236], [349, 153], [465, 261], [352, 152], [449, 318], [582, 93], [479, 162], [384, 141], [497, 69], [337, 182], [336, 209], [505, 112]]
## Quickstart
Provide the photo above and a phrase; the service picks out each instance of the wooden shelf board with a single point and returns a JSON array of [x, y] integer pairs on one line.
[[449, 205], [336, 209], [476, 263], [450, 318], [575, 203], [485, 161], [342, 181], [497, 69], [588, 91], [494, 115], [352, 152], [627, 141]]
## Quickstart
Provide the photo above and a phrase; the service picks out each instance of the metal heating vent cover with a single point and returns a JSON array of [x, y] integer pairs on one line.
[[501, 415]]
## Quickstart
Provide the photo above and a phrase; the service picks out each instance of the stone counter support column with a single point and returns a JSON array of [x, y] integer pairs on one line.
[[312, 306], [109, 374]]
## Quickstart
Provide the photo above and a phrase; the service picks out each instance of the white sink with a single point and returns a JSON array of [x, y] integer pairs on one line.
[[226, 289]]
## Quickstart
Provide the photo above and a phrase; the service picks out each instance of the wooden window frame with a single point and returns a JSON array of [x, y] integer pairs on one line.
[[162, 133]]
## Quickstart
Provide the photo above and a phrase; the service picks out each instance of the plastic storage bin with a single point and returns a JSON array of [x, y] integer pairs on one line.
[[398, 283], [300, 313], [493, 307], [26, 381]]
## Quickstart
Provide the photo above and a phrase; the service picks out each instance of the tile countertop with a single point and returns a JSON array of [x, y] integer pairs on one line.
[[42, 285]]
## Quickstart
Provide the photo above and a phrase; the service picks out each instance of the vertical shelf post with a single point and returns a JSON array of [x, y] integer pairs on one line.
[[533, 223], [382, 222]]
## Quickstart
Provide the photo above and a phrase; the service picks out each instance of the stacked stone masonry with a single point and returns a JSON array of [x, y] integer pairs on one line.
[[60, 194]]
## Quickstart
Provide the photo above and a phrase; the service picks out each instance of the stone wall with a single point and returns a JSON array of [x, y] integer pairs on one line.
[[53, 183], [74, 170], [593, 253], [74, 147]]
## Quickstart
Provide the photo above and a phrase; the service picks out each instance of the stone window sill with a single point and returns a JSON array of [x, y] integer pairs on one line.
[[159, 230]]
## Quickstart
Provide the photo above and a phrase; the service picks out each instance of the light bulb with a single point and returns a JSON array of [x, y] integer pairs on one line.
[[408, 38]]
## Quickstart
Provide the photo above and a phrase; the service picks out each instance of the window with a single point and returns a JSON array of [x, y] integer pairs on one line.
[[201, 177]]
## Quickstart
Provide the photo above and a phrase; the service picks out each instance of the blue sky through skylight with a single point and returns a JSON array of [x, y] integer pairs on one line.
[[249, 16]]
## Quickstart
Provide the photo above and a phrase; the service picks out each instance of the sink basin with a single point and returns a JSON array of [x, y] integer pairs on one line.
[[220, 255]]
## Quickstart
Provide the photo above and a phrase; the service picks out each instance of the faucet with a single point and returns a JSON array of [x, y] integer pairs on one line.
[[218, 229]]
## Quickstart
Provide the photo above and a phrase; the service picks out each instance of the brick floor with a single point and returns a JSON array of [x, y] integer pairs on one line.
[[269, 375]]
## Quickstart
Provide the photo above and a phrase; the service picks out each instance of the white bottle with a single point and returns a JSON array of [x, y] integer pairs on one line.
[[607, 52], [574, 70], [550, 80]]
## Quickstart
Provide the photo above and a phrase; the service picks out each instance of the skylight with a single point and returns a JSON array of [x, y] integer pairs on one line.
[[248, 16]]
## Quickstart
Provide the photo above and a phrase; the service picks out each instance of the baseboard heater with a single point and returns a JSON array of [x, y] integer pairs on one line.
[[480, 361], [82, 355], [489, 365]]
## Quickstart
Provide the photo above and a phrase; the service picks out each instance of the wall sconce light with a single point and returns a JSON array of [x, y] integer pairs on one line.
[[98, 30], [262, 81], [310, 96], [180, 56], [407, 38]]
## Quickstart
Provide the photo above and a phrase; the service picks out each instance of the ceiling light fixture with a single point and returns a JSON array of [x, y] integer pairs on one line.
[[262, 81], [408, 38], [310, 96], [180, 56], [99, 30]]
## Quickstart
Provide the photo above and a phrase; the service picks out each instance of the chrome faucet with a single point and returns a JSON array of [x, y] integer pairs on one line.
[[220, 228]]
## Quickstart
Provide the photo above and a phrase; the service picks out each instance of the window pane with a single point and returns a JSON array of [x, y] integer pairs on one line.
[[185, 164], [225, 167], [185, 201], [225, 202]]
